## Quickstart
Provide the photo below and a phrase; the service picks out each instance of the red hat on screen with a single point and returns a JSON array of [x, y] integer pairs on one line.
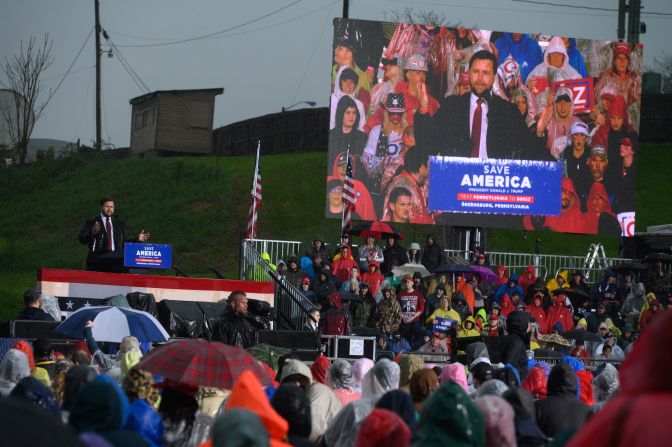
[[625, 141], [305, 280], [618, 107], [622, 48]]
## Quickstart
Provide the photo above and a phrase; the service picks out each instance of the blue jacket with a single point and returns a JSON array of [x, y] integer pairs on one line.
[[576, 58], [526, 52]]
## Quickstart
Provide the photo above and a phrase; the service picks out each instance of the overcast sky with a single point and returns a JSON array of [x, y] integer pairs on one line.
[[283, 58]]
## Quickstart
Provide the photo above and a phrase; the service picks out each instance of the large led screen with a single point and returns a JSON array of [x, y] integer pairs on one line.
[[473, 127]]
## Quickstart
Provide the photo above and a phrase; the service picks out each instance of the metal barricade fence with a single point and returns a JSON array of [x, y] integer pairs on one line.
[[548, 264], [292, 308]]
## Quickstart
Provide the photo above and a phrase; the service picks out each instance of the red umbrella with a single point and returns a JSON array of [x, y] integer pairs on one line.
[[377, 229], [202, 363]]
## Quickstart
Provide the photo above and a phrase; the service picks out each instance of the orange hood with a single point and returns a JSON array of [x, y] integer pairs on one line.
[[248, 394]]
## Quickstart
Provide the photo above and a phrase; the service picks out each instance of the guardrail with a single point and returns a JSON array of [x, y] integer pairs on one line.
[[546, 264], [291, 307]]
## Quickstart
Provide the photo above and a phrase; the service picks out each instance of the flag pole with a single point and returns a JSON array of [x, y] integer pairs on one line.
[[254, 188], [347, 161]]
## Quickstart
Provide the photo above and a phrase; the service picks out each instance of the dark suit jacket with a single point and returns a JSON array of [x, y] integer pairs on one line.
[[98, 243], [447, 132]]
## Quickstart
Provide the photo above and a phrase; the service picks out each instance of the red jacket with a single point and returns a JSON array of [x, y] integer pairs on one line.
[[639, 415]]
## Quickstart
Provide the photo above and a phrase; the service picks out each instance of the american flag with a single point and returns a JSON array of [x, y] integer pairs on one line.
[[252, 216], [349, 197]]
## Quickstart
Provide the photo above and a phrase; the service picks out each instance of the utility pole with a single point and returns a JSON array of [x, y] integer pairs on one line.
[[622, 9], [98, 52], [346, 8], [634, 8]]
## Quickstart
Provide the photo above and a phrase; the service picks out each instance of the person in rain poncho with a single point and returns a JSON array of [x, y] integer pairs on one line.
[[556, 120], [555, 67], [324, 406], [500, 429], [13, 367], [343, 430], [449, 417], [383, 428], [522, 48], [340, 380], [639, 414]]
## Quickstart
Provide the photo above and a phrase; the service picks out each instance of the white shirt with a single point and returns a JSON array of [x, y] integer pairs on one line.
[[111, 235], [482, 148]]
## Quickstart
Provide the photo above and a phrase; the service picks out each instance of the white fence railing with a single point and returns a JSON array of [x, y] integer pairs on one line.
[[547, 265]]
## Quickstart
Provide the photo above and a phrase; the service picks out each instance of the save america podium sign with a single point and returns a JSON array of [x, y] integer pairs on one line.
[[524, 187]]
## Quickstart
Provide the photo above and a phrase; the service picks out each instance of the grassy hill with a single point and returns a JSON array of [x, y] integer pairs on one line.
[[199, 205]]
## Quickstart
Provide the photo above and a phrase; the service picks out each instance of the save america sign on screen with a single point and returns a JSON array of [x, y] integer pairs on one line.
[[481, 128]]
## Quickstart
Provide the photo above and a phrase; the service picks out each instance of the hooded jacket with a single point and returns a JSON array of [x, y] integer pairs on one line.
[[342, 266], [334, 117], [526, 52], [335, 319], [639, 414], [13, 367], [537, 311], [504, 288], [449, 417], [98, 408], [557, 129], [383, 428], [559, 313], [528, 277], [514, 346], [545, 69], [605, 221], [363, 202], [248, 394], [536, 382], [464, 332], [562, 409], [553, 283], [570, 219], [502, 274], [324, 406]]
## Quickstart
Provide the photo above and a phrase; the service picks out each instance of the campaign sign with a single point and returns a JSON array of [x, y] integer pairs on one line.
[[473, 185], [156, 256], [582, 93], [443, 325]]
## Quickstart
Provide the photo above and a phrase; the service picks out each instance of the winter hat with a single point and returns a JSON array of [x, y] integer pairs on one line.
[[500, 429], [395, 103], [621, 48], [416, 62], [626, 141], [618, 107], [305, 280], [414, 246]]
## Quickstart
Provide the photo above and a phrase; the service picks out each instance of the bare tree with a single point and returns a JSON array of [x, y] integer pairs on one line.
[[24, 108], [663, 65], [424, 17]]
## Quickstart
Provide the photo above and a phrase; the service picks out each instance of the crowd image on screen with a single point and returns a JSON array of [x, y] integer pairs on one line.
[[401, 88]]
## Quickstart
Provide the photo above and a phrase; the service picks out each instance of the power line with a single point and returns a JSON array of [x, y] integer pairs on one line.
[[72, 72], [312, 54], [51, 94], [126, 65], [252, 30], [592, 8], [205, 36]]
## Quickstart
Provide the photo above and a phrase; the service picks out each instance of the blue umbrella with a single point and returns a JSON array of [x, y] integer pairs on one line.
[[114, 323]]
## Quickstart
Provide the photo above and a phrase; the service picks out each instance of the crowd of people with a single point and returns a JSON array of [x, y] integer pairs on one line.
[[399, 97], [92, 398], [356, 291]]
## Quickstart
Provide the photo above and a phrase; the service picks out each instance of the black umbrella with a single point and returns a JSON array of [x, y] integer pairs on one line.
[[454, 268], [658, 257], [627, 267], [581, 334], [576, 296]]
